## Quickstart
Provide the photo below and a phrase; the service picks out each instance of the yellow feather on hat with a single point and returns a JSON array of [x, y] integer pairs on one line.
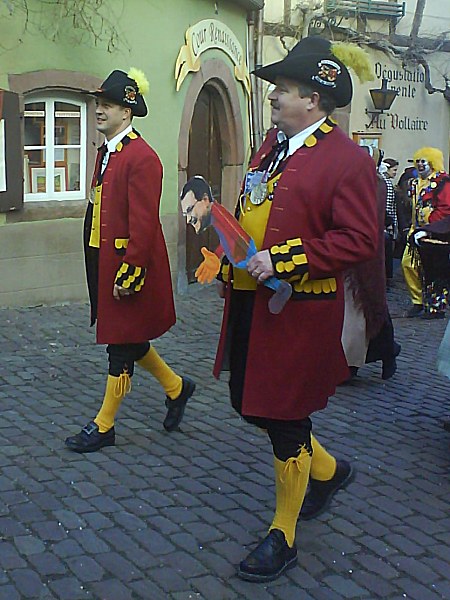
[[141, 80], [355, 57], [434, 157]]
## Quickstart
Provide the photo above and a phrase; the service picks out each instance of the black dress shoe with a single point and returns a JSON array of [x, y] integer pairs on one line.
[[269, 559], [416, 310], [90, 439], [320, 493], [175, 408]]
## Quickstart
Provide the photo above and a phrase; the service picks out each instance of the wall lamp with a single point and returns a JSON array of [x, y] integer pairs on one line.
[[382, 99]]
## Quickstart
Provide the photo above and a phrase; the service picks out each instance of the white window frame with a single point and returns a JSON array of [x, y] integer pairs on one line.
[[49, 147]]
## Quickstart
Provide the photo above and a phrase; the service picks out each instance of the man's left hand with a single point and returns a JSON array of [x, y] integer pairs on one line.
[[119, 291], [260, 266]]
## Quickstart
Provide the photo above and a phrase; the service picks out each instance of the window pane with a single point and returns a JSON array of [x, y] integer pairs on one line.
[[70, 173], [67, 123], [34, 124], [35, 157]]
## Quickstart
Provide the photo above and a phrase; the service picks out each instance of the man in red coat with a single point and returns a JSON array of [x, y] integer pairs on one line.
[[312, 215], [126, 260]]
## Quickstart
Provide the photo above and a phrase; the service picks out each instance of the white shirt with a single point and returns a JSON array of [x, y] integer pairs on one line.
[[296, 141], [112, 144]]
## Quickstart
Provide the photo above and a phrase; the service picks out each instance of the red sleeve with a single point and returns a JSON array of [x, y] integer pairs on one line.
[[144, 194], [442, 209]]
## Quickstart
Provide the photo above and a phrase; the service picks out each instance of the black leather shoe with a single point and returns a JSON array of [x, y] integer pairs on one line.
[[389, 368], [269, 559], [416, 310], [320, 493], [175, 408], [90, 439]]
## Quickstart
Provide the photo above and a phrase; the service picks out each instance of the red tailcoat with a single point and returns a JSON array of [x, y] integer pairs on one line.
[[130, 200], [326, 196]]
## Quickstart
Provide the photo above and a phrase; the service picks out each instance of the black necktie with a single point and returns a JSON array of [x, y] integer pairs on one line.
[[282, 149], [101, 155]]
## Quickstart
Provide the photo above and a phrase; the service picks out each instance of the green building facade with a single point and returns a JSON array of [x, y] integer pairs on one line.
[[195, 54]]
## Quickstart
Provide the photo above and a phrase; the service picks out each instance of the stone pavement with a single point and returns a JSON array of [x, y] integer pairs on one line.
[[168, 516]]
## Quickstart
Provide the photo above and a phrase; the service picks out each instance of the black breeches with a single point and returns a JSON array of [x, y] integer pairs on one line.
[[122, 357], [287, 437], [435, 263]]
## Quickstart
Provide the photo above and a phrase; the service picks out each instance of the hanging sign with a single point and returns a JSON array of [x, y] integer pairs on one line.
[[203, 36]]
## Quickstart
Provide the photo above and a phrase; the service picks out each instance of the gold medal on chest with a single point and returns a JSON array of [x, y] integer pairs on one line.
[[258, 193]]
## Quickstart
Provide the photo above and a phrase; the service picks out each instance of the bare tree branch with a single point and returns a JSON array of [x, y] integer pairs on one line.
[[92, 18], [409, 49]]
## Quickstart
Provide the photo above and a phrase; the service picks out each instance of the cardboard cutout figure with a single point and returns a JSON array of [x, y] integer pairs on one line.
[[201, 211]]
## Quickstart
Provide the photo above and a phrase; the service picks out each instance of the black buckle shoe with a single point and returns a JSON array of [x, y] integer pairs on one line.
[[320, 493], [90, 439], [175, 408], [269, 559]]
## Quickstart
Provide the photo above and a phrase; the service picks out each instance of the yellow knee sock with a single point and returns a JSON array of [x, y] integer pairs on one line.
[[291, 479], [169, 380], [323, 465], [116, 388]]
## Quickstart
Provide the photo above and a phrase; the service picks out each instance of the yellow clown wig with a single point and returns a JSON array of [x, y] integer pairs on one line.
[[434, 157]]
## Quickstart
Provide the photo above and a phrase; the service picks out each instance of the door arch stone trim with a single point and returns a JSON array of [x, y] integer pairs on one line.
[[216, 74]]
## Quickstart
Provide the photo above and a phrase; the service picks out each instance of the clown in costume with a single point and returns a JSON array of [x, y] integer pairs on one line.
[[430, 196], [309, 203], [126, 260]]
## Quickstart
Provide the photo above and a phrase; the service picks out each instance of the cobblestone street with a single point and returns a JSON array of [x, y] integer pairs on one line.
[[169, 516]]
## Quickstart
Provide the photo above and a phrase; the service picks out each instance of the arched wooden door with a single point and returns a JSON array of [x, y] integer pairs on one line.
[[204, 158]]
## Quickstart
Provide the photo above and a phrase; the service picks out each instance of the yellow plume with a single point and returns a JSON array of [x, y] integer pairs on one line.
[[140, 79], [355, 57]]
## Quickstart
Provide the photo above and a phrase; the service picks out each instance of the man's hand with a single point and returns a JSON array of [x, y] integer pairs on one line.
[[119, 291], [260, 266]]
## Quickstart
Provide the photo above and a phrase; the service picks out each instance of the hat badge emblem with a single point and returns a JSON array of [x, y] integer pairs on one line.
[[130, 94], [328, 72]]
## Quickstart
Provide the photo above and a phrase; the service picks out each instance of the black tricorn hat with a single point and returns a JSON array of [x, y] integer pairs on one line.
[[120, 88], [312, 61]]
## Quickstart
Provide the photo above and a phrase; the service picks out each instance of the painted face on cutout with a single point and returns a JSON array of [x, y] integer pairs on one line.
[[423, 167], [197, 212]]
